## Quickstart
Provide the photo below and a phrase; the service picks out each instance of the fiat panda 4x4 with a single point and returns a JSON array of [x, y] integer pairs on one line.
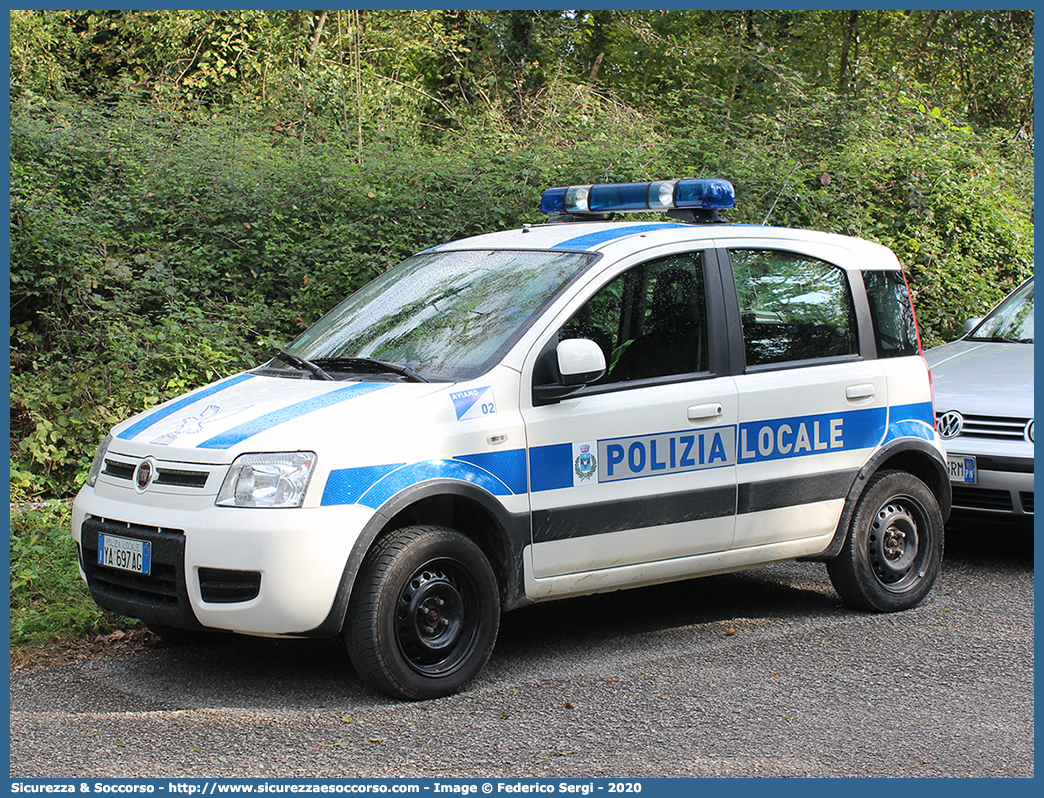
[[573, 407]]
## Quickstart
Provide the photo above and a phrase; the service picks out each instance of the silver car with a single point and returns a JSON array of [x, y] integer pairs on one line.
[[984, 411]]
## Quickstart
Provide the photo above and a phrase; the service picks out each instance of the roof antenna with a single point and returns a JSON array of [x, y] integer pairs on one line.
[[767, 215]]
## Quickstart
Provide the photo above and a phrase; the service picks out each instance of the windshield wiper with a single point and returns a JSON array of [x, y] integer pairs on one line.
[[371, 365], [307, 365]]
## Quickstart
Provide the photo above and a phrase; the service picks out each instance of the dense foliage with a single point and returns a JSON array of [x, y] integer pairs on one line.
[[49, 601], [190, 189]]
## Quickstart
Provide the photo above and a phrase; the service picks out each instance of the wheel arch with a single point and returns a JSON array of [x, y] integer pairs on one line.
[[462, 506], [915, 456]]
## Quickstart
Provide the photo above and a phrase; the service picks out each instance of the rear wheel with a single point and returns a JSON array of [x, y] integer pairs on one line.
[[424, 613], [894, 548]]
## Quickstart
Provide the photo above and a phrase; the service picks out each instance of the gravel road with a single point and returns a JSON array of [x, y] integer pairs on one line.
[[756, 674]]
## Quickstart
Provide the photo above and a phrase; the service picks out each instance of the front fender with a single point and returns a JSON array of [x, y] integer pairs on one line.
[[504, 542]]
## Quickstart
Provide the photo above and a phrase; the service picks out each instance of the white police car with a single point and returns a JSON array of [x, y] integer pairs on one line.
[[569, 408]]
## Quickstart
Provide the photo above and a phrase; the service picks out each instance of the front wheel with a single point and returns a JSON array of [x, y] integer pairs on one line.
[[424, 613], [894, 548]]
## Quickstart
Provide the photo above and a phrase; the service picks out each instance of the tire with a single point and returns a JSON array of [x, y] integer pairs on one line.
[[894, 548], [424, 614]]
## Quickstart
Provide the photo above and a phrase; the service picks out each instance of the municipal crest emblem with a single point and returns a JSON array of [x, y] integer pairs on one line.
[[586, 464]]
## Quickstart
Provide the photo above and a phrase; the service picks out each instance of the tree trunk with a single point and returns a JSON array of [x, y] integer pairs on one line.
[[846, 46], [318, 34]]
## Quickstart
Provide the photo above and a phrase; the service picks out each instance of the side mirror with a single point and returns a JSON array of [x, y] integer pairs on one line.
[[970, 325], [580, 362]]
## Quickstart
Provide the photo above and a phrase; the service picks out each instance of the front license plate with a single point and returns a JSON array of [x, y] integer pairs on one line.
[[125, 554], [962, 469]]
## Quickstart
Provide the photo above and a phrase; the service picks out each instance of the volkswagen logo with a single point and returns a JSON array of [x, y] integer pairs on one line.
[[144, 474], [950, 424]]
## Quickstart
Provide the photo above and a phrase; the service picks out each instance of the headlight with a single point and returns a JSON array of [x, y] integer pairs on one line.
[[99, 461], [267, 480]]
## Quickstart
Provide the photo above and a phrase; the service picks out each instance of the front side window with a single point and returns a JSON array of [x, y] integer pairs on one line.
[[792, 307], [650, 321], [447, 316]]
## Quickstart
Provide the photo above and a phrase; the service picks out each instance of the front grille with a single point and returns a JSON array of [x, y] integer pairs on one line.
[[180, 477], [185, 479], [1026, 497], [995, 427], [981, 499], [160, 597], [118, 470], [227, 587]]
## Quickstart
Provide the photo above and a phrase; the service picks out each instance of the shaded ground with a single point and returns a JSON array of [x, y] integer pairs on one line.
[[755, 674]]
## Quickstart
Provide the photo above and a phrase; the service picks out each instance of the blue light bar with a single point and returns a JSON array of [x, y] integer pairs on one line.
[[553, 201], [618, 197], [714, 194], [659, 195]]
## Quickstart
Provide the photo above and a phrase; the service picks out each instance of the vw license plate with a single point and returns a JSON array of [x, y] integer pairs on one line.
[[962, 469], [125, 554]]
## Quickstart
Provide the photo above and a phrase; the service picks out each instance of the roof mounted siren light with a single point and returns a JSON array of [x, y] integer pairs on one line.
[[688, 200]]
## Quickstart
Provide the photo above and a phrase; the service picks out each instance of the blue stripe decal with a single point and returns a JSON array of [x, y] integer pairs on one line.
[[594, 239], [240, 433], [508, 466], [347, 485], [911, 421], [660, 454], [154, 418], [551, 467], [499, 473], [416, 473], [800, 436]]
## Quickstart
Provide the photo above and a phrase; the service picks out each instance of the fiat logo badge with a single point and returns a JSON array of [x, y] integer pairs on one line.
[[144, 474], [950, 424]]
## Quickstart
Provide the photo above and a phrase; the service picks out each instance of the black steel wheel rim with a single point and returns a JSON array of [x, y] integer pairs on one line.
[[436, 617], [897, 546]]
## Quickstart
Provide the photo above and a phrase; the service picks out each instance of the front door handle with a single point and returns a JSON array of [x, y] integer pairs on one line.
[[702, 412]]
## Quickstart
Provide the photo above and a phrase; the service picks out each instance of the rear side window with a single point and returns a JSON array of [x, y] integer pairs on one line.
[[792, 307], [895, 329]]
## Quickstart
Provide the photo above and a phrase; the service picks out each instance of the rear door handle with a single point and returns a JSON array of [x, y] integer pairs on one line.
[[701, 412], [865, 390]]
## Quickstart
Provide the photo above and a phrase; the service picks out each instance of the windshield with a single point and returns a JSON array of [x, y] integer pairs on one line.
[[1011, 320], [447, 316]]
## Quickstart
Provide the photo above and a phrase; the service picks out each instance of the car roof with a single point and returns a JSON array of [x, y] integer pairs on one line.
[[621, 238]]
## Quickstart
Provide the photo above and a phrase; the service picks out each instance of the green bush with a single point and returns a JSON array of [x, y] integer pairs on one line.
[[956, 206], [49, 601], [154, 249]]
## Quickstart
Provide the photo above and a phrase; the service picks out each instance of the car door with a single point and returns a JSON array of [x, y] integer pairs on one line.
[[811, 408], [635, 472]]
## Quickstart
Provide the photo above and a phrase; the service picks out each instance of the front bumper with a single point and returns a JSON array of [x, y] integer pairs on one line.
[[1003, 487], [256, 571]]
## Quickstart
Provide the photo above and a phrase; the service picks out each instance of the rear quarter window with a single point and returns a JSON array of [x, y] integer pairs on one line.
[[892, 313]]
